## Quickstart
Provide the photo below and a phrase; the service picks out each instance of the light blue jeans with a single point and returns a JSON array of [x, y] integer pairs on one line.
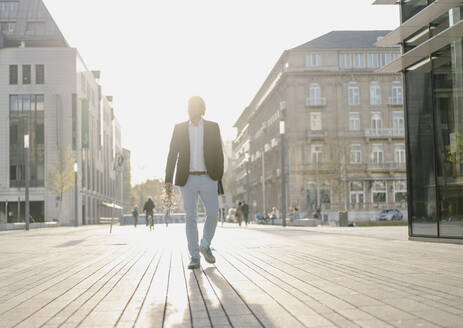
[[206, 188]]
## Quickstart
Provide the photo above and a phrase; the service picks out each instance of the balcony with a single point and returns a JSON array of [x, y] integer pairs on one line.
[[395, 101], [315, 102], [384, 133], [321, 167], [315, 135], [387, 167]]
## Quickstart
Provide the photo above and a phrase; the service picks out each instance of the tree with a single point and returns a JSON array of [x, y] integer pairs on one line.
[[152, 188], [339, 158], [61, 180]]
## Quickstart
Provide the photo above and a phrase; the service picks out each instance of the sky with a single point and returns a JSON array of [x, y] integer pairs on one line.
[[154, 55]]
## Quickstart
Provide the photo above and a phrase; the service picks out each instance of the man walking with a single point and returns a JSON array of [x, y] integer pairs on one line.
[[197, 156]]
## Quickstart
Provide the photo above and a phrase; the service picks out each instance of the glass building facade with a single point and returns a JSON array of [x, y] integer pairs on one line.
[[434, 122]]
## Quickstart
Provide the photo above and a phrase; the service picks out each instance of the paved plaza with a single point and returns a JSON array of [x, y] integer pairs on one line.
[[264, 277]]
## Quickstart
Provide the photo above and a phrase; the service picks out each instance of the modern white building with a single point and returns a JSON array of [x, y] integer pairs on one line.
[[48, 93]]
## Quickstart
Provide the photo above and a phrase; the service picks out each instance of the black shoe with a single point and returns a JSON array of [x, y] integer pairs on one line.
[[194, 263], [207, 253]]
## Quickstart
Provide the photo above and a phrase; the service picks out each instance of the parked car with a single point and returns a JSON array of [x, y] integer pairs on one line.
[[389, 215]]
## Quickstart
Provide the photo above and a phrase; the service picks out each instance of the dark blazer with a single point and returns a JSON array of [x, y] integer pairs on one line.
[[179, 154]]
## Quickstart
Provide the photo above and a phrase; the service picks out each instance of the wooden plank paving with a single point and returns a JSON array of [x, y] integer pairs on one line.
[[264, 277]]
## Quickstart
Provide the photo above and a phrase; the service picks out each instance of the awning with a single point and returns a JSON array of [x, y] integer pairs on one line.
[[112, 205], [425, 50], [415, 23], [386, 2]]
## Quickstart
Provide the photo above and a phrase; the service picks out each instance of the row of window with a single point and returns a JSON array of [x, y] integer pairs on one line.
[[26, 103], [353, 94], [9, 8], [355, 60], [27, 74], [32, 27], [376, 121], [379, 192], [376, 156]]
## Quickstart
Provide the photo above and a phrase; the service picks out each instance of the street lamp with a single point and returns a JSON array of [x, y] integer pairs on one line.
[[248, 159], [28, 177], [248, 173], [283, 169], [76, 199]]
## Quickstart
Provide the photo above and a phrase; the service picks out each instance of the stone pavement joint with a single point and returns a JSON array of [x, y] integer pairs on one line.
[[264, 277]]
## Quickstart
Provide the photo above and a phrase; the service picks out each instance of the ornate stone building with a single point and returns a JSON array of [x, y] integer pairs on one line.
[[344, 130]]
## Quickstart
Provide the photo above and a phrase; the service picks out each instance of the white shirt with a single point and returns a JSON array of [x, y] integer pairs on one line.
[[197, 163]]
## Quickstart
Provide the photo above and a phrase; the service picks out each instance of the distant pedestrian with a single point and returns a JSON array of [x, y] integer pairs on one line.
[[239, 214], [296, 215], [245, 211], [135, 216], [274, 215], [148, 209], [267, 217]]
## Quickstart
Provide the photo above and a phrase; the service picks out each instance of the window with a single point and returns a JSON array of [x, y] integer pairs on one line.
[[398, 123], [345, 60], [39, 134], [14, 104], [354, 121], [396, 98], [13, 74], [375, 93], [359, 60], [395, 56], [379, 191], [356, 192], [315, 98], [313, 60], [13, 134], [399, 153], [8, 27], [400, 191], [39, 74], [373, 61], [353, 94], [27, 72], [8, 8], [315, 121], [385, 59], [317, 153], [39, 103], [377, 154], [13, 175], [36, 28], [376, 121], [356, 154], [26, 102]]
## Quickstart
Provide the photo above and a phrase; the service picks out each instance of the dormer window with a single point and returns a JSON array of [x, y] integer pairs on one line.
[[313, 60], [36, 27]]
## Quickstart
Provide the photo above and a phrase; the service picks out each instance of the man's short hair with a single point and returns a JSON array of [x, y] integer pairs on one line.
[[197, 103]]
